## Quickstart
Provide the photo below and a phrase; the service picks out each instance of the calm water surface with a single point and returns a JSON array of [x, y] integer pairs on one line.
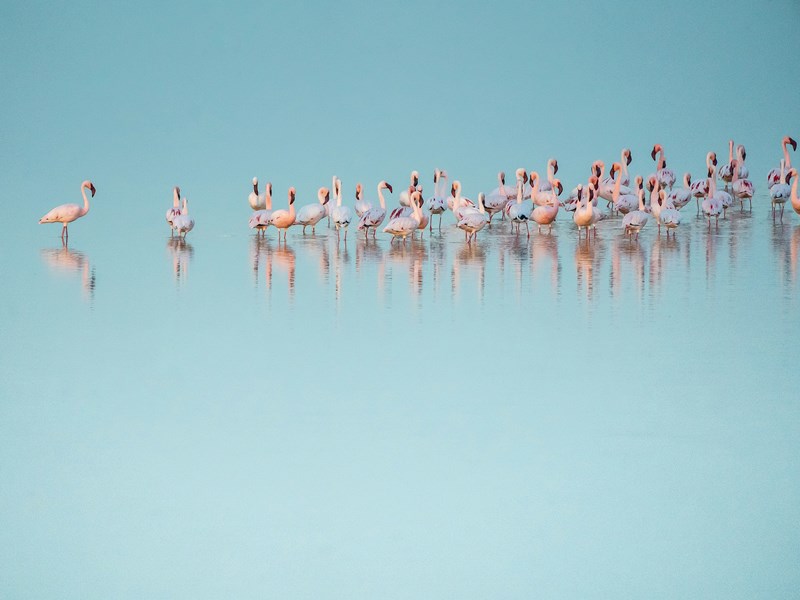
[[550, 418]]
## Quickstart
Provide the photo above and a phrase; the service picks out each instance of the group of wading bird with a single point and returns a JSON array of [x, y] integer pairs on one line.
[[532, 199]]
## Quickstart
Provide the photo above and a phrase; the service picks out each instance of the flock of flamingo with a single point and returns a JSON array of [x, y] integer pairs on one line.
[[531, 199]]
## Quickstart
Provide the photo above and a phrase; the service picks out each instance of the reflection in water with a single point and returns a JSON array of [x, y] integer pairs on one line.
[[181, 252], [588, 255], [470, 258], [72, 262], [544, 249], [279, 256]]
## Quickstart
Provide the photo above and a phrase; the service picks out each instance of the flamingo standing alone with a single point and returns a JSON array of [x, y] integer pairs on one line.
[[183, 222], [67, 213]]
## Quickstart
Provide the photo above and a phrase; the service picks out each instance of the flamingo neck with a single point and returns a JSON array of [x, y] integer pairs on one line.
[[519, 191], [176, 201], [184, 210], [268, 198], [730, 151], [85, 202], [795, 201], [380, 197], [786, 155], [641, 200], [617, 182]]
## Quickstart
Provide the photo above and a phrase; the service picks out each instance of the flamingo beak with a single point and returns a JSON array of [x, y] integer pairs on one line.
[[91, 188], [389, 187], [560, 189], [653, 153], [744, 154], [629, 159], [714, 161], [555, 167], [453, 190], [793, 143]]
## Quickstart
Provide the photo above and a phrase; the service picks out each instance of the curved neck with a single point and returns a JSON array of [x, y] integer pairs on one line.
[[380, 197], [86, 201]]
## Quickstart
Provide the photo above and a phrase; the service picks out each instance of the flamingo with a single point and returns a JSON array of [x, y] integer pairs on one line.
[[700, 188], [655, 200], [795, 200], [405, 195], [741, 155], [473, 221], [742, 188], [712, 205], [670, 217], [666, 178], [520, 212], [635, 220], [373, 218], [437, 203], [607, 183], [461, 205], [496, 200], [67, 213], [256, 201], [283, 219], [183, 222], [546, 214], [404, 226], [726, 171], [545, 187], [774, 176], [780, 192], [682, 196], [259, 220], [360, 206], [621, 203], [175, 210], [341, 215], [311, 214], [585, 216]]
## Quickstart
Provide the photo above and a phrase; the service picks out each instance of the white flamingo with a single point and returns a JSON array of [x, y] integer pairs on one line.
[[311, 214], [585, 217], [520, 212], [256, 201], [666, 177], [282, 219], [774, 176], [67, 213], [726, 171], [623, 203], [700, 187], [183, 222], [682, 196], [175, 210], [712, 205], [473, 221], [741, 156], [373, 218], [461, 205], [496, 200], [669, 217], [360, 206], [341, 215], [437, 204], [404, 226], [636, 220], [259, 220], [742, 188], [405, 195], [780, 192]]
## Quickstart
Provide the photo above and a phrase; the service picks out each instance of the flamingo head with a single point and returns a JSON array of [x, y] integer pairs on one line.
[[554, 162], [522, 175], [436, 173], [268, 189], [177, 191], [792, 173], [628, 156], [455, 188], [414, 178], [557, 186], [638, 181], [594, 182], [358, 191], [502, 176], [788, 140], [598, 167], [615, 168], [533, 177], [387, 186], [742, 152], [292, 193], [255, 180], [481, 199], [651, 183], [656, 149], [89, 186], [327, 197], [688, 178]]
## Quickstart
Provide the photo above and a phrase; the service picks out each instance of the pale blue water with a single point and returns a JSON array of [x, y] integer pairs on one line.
[[229, 417]]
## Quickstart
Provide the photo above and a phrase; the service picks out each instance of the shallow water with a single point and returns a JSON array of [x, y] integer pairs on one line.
[[553, 418]]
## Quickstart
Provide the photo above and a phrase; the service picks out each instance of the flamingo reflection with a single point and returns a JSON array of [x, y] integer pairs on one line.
[[71, 262], [181, 253]]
